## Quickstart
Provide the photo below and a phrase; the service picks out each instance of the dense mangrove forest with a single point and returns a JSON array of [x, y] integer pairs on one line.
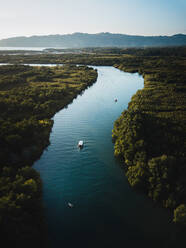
[[150, 136], [29, 97]]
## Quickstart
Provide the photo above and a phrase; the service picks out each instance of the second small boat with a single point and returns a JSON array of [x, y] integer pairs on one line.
[[80, 144]]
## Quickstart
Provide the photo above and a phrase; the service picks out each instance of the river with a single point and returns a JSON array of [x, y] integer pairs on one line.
[[106, 211]]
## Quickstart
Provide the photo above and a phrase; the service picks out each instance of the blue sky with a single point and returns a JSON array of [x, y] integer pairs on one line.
[[141, 17]]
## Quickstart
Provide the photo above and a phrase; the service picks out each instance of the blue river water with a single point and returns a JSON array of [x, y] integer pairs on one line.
[[106, 211]]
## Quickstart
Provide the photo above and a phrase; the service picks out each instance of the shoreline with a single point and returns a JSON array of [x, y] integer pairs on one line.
[[27, 136], [143, 137]]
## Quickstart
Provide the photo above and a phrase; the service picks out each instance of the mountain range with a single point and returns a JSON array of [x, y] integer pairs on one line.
[[79, 40]]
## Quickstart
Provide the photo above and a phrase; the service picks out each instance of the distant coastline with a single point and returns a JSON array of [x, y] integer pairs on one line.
[[80, 40], [40, 49]]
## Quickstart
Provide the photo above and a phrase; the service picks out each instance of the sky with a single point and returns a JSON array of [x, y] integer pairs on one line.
[[135, 17]]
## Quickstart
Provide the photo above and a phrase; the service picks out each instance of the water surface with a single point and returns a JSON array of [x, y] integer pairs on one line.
[[106, 212]]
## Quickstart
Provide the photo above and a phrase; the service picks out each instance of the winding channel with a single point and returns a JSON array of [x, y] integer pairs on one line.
[[106, 212]]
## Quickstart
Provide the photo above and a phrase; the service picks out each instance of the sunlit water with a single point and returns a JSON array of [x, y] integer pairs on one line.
[[106, 212]]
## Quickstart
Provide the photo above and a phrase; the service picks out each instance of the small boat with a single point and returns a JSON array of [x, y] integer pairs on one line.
[[80, 144], [115, 99], [70, 205]]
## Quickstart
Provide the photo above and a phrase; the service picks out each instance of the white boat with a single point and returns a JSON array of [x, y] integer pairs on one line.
[[80, 144], [115, 99], [70, 205]]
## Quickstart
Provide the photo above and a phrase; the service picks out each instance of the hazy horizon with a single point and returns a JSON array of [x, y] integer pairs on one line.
[[132, 17], [28, 36]]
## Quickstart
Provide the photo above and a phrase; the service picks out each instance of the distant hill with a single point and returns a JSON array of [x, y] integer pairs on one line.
[[79, 40]]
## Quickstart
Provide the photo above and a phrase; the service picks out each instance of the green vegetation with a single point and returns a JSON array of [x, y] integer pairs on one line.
[[129, 57], [67, 58], [150, 136], [29, 97]]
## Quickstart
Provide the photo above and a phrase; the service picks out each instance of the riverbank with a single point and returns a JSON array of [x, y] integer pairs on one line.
[[29, 97], [105, 206], [150, 135]]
